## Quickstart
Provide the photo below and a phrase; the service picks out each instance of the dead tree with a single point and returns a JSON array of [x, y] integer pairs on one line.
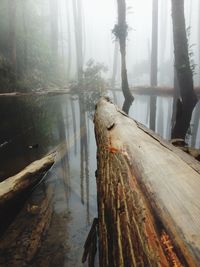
[[121, 31], [188, 99], [154, 63]]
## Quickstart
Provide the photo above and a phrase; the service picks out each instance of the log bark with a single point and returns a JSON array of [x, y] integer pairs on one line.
[[13, 186], [23, 238], [148, 195]]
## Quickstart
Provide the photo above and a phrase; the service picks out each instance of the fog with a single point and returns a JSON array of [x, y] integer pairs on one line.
[[37, 24], [57, 57]]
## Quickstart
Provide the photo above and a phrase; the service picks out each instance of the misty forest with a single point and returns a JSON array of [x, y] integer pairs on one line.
[[99, 133]]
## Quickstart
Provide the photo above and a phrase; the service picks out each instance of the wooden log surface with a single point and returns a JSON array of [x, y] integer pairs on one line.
[[28, 177], [148, 195], [21, 241]]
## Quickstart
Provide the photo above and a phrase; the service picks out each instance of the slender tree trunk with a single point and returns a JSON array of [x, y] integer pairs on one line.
[[61, 36], [25, 29], [176, 96], [68, 40], [163, 18], [160, 125], [154, 63], [184, 73], [114, 73], [196, 124], [77, 12], [12, 39], [74, 125], [120, 31], [54, 28], [199, 40]]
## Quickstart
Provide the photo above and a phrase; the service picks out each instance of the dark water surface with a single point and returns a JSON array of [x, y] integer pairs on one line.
[[33, 126], [30, 128]]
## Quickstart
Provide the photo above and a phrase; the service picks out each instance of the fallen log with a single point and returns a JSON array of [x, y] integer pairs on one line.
[[148, 195], [28, 177], [38, 92]]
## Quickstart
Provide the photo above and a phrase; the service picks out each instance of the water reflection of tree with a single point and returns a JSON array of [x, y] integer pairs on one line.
[[90, 87], [63, 126], [84, 154], [24, 122]]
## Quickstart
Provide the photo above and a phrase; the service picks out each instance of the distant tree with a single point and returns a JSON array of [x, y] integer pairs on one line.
[[78, 27], [54, 28], [154, 63], [25, 32], [163, 22], [12, 37], [114, 70], [188, 98], [199, 38], [121, 31], [69, 56]]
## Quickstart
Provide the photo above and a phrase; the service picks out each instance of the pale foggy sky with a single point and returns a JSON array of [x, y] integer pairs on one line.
[[101, 15]]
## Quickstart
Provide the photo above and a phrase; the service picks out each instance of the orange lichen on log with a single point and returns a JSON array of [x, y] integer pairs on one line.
[[169, 250]]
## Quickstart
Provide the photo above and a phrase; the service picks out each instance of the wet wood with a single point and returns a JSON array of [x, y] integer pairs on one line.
[[90, 246], [13, 186], [148, 195], [22, 239]]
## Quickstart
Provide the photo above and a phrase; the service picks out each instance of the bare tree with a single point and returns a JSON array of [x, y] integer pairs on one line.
[[12, 37], [77, 12], [54, 28], [114, 71], [68, 40], [188, 99], [121, 31]]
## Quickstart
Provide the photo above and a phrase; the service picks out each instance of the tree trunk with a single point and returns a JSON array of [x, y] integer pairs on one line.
[[120, 31], [77, 12], [114, 72], [148, 208], [25, 29], [199, 38], [184, 73], [154, 63], [68, 40], [54, 29], [196, 124], [12, 39]]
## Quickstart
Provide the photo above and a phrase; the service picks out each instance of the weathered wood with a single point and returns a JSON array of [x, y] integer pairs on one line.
[[148, 195], [38, 92], [28, 177], [22, 239]]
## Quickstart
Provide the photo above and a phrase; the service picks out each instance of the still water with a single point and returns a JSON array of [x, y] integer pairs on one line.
[[30, 128]]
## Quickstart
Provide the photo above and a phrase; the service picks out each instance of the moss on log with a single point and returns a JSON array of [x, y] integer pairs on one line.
[[148, 195]]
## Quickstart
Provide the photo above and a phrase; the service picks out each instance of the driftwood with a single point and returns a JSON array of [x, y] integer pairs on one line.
[[28, 177], [148, 195], [38, 92]]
